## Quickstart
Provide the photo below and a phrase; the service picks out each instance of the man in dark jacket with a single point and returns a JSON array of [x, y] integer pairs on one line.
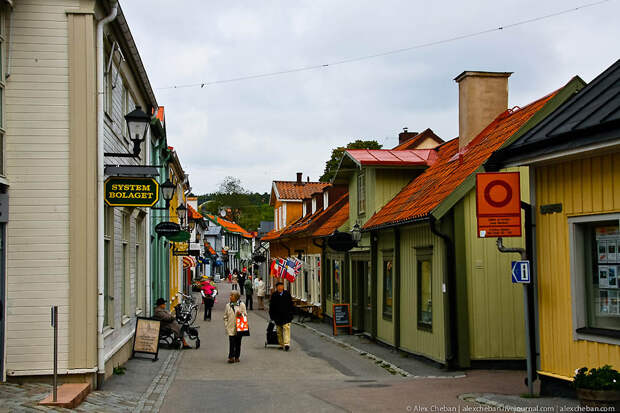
[[281, 312], [242, 277]]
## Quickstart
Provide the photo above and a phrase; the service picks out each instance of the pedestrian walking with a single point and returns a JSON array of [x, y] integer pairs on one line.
[[233, 309], [242, 278], [235, 280], [249, 293], [281, 312], [208, 292], [260, 293]]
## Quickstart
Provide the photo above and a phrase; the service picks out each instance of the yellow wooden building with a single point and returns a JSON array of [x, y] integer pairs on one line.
[[574, 158]]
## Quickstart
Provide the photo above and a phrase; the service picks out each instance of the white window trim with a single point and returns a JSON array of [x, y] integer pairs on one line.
[[313, 205], [303, 209], [325, 200], [577, 275], [284, 215]]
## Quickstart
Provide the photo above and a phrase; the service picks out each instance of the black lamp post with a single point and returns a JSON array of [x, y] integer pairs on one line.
[[356, 233], [167, 191], [137, 126], [181, 211]]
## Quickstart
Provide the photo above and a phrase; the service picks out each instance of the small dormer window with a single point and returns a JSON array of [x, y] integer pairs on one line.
[[325, 199], [313, 205], [303, 209]]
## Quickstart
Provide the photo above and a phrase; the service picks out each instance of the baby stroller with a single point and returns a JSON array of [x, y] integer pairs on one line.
[[272, 335]]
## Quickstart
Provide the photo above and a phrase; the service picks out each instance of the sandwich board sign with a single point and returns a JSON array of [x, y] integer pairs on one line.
[[498, 204], [521, 272]]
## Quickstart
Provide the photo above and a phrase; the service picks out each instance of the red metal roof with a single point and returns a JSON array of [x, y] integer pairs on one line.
[[427, 191], [390, 157]]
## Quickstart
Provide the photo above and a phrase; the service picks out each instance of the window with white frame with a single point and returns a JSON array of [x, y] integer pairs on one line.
[[313, 205], [2, 84], [325, 200], [361, 193], [595, 263], [108, 266], [284, 215]]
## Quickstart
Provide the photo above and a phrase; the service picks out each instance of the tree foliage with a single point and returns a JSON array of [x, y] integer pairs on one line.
[[331, 166], [242, 206]]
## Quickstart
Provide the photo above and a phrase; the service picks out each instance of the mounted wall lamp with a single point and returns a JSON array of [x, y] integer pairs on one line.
[[137, 125]]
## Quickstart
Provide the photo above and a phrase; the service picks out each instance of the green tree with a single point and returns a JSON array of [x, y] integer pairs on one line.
[[331, 166], [243, 207]]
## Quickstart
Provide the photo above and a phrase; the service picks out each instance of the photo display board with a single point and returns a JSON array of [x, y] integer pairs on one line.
[[606, 270]]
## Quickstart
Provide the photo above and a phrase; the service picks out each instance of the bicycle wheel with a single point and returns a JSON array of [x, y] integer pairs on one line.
[[194, 313]]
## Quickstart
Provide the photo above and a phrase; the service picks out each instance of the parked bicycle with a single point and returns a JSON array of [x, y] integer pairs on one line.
[[189, 306]]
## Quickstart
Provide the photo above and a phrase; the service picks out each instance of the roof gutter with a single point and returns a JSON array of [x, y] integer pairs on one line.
[[451, 329], [100, 200], [399, 223]]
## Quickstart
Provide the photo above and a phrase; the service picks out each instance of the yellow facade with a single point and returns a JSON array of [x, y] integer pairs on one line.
[[584, 187], [175, 263]]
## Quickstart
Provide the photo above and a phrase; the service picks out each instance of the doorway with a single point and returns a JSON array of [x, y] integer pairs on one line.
[[362, 295], [2, 295]]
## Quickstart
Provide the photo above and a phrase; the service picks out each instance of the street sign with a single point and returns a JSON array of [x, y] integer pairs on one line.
[[521, 272], [498, 204], [131, 192], [167, 228]]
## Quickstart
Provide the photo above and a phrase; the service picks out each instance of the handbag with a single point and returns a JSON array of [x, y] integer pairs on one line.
[[243, 329]]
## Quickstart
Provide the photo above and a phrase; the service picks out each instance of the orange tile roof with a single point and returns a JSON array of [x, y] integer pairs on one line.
[[419, 198], [389, 157], [230, 226], [210, 248], [298, 191], [271, 235], [192, 213], [340, 216], [412, 143]]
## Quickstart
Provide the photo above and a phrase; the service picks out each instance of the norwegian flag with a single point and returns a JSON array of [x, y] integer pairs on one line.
[[281, 268]]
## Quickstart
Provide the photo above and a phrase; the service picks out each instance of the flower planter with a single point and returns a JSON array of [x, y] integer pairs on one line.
[[599, 398]]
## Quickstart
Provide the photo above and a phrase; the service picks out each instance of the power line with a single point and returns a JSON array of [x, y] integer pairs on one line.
[[387, 53]]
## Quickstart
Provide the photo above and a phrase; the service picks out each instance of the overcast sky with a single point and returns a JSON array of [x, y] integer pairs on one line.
[[265, 129]]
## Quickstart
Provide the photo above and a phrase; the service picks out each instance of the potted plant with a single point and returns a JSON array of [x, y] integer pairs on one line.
[[598, 387]]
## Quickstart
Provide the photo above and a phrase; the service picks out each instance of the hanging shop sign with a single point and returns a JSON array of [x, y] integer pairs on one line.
[[167, 228], [131, 192], [498, 204], [180, 249], [341, 241]]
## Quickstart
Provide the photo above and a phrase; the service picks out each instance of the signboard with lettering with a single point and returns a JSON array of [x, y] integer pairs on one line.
[[167, 228], [342, 317], [498, 204], [180, 249], [131, 192], [146, 338]]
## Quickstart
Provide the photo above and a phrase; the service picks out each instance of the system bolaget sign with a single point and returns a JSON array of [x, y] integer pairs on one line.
[[131, 192]]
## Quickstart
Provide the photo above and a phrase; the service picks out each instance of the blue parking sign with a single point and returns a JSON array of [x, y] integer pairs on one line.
[[521, 272]]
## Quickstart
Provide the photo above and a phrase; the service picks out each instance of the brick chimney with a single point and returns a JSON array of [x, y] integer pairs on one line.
[[482, 96], [299, 177], [405, 135]]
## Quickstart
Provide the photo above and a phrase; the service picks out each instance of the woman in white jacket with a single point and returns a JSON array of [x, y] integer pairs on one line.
[[234, 308], [260, 293]]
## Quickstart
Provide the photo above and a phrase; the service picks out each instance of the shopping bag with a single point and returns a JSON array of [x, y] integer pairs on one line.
[[243, 329]]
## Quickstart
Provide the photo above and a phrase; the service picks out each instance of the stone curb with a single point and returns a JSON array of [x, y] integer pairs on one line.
[[392, 368]]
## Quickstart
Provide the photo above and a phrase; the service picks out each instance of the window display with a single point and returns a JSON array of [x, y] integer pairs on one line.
[[603, 238]]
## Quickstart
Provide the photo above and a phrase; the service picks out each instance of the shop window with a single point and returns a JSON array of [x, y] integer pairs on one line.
[[425, 290], [388, 287], [595, 263], [125, 274], [361, 193], [108, 266], [336, 275]]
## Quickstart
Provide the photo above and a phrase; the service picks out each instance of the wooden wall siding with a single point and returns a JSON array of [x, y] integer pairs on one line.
[[37, 164], [584, 187], [387, 184], [429, 344], [495, 304], [385, 328], [114, 141], [83, 183], [353, 216]]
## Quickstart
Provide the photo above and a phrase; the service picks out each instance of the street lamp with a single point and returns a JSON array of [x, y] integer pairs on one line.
[[137, 126], [356, 233], [181, 211], [167, 191]]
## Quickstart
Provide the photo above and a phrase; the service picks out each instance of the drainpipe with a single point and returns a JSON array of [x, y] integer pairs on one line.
[[100, 200], [452, 326]]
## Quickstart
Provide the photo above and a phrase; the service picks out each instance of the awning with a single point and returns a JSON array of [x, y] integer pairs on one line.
[[188, 262], [180, 236]]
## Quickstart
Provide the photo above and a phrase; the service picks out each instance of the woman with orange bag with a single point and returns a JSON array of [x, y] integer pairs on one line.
[[235, 308]]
